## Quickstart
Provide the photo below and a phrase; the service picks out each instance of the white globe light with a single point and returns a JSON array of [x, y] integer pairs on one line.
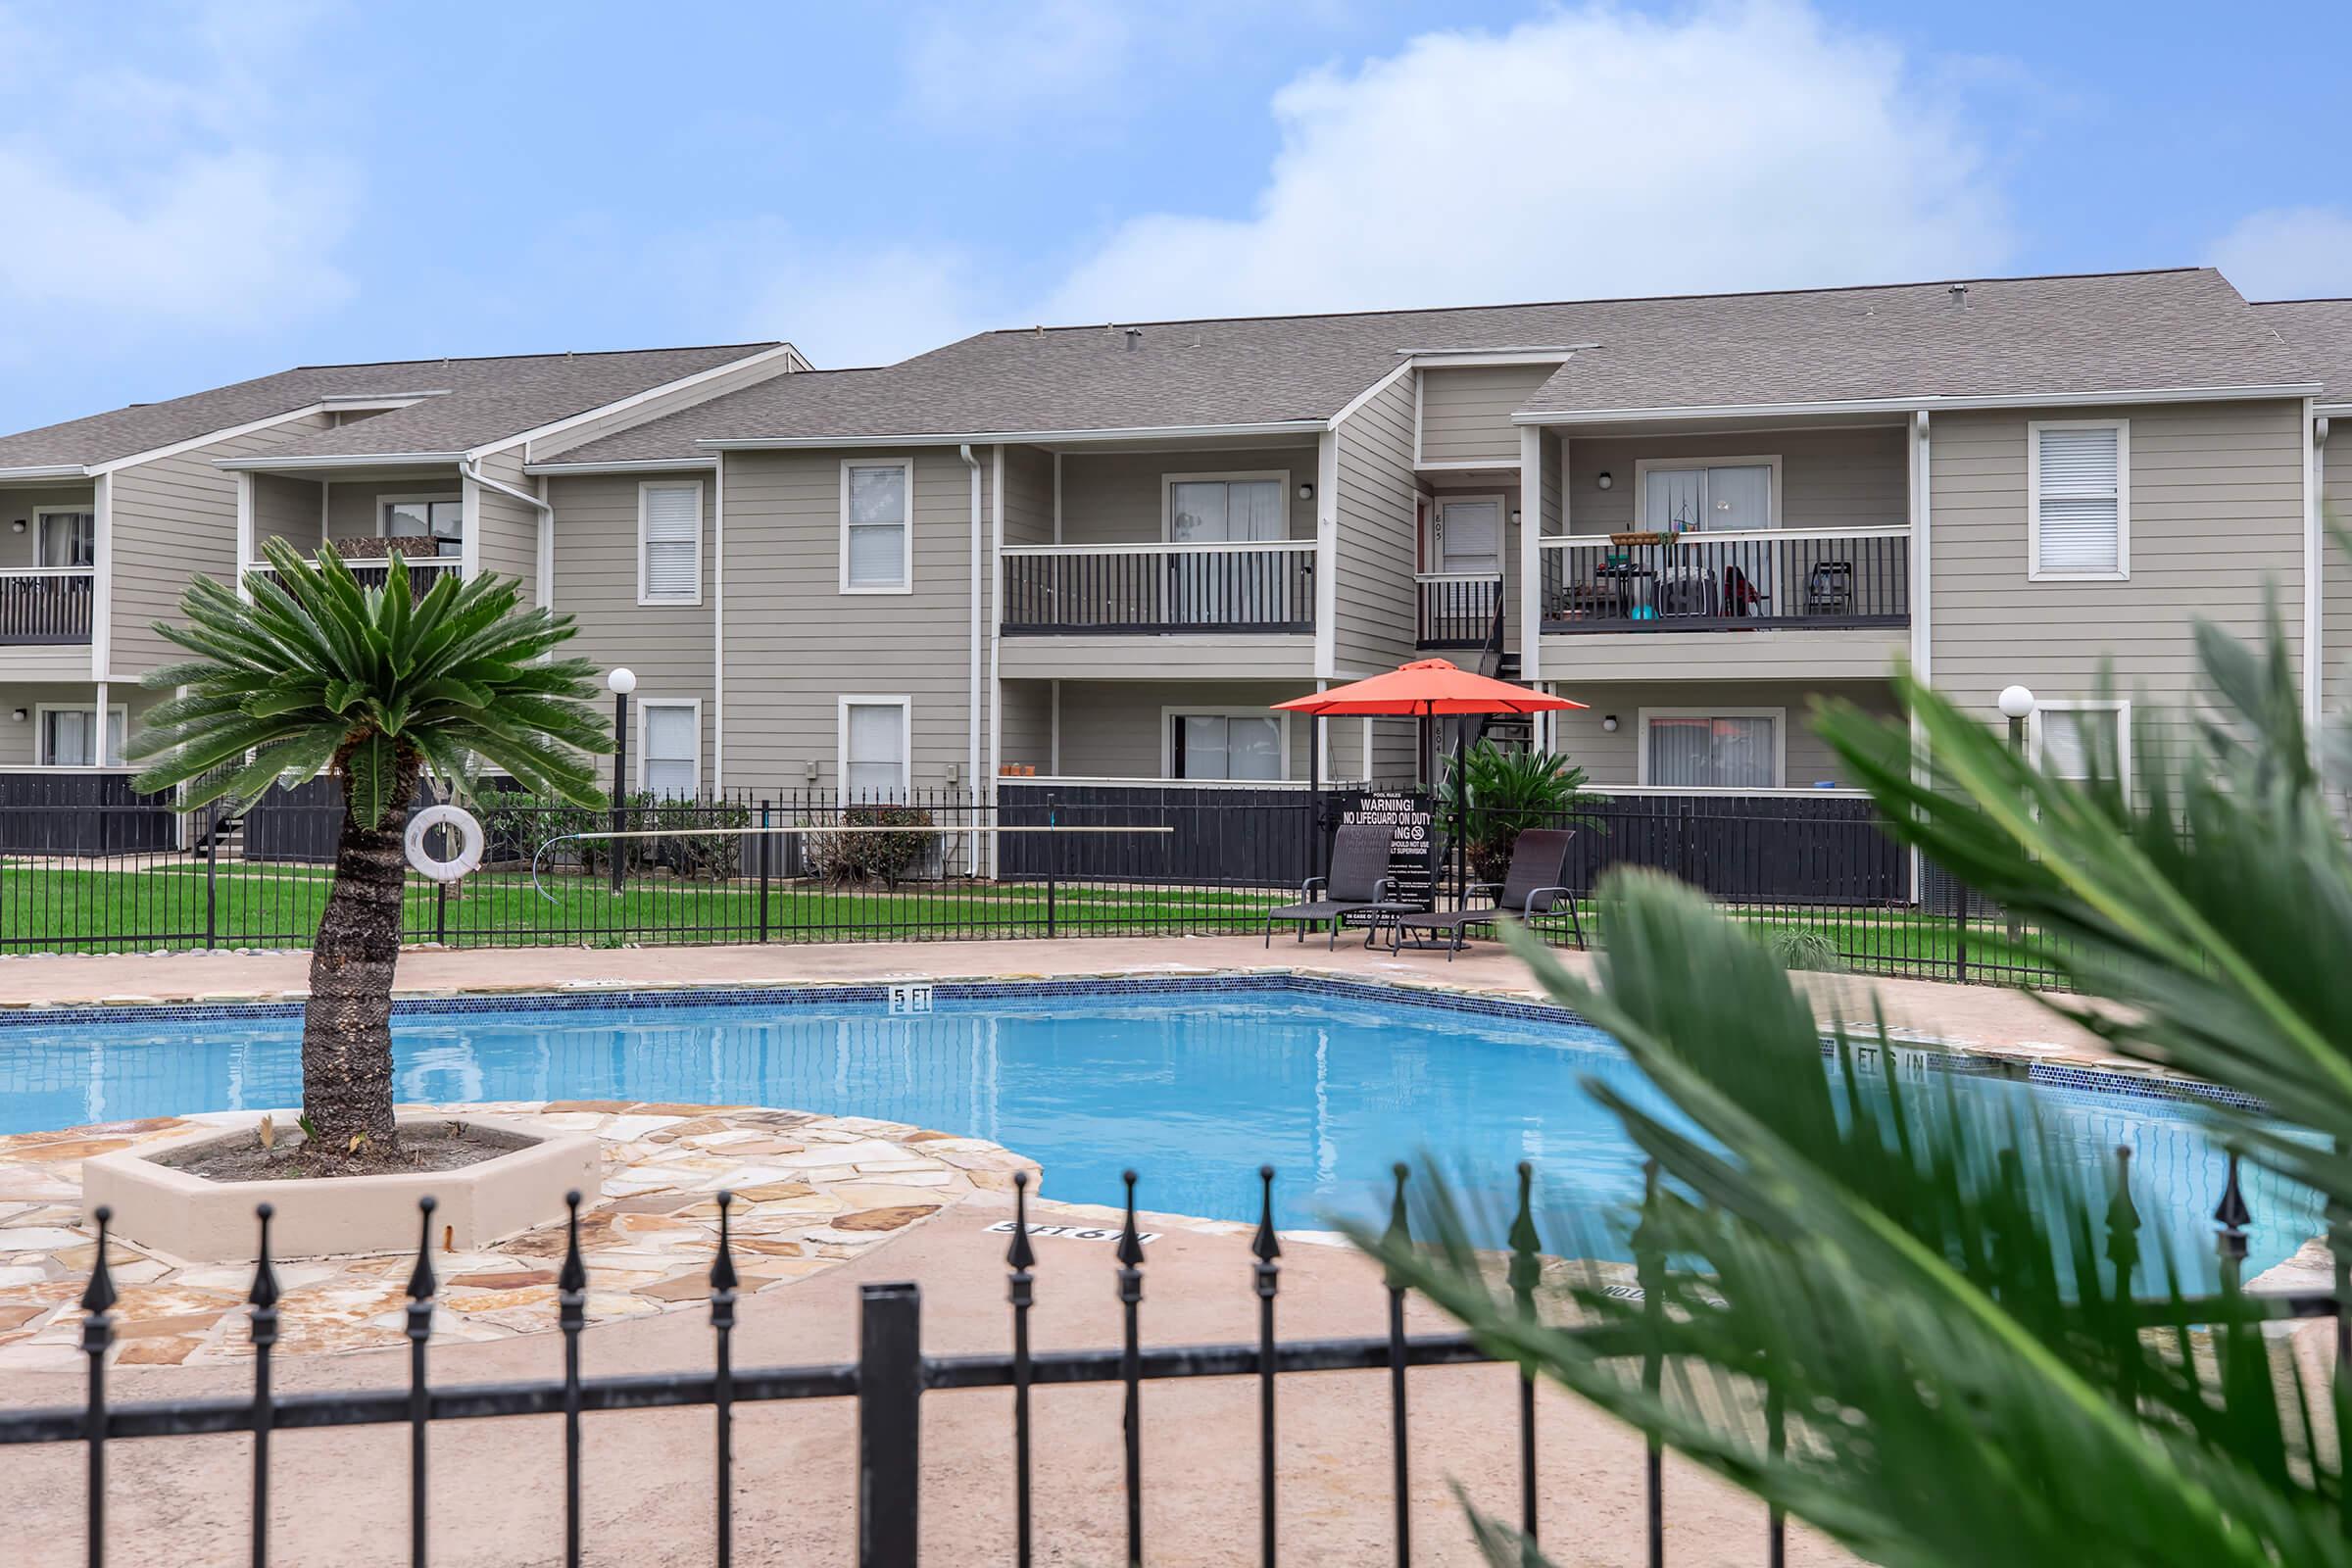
[[622, 681], [2017, 702]]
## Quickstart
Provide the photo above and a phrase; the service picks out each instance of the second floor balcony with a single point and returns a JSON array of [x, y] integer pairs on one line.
[[46, 607], [1826, 580], [1260, 588]]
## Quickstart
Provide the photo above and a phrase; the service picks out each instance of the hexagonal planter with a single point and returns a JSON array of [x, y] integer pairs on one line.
[[203, 1220]]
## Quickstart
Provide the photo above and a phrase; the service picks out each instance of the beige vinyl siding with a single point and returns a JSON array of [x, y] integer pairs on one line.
[[170, 518], [508, 528], [16, 505], [1613, 759], [20, 742], [732, 380], [1029, 723], [1213, 655], [1786, 654], [1028, 496], [1119, 498], [2216, 512], [1851, 477], [667, 646], [1111, 729], [1373, 595], [2336, 605], [1466, 412], [795, 643], [284, 508]]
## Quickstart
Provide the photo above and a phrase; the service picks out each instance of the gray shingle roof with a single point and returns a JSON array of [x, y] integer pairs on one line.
[[485, 400], [2114, 331], [2320, 332]]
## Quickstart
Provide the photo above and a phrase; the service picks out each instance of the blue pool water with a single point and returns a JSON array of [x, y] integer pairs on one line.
[[1193, 1088]]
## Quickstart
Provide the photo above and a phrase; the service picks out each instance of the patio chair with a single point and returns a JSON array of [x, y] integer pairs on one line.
[[1359, 885], [1534, 889]]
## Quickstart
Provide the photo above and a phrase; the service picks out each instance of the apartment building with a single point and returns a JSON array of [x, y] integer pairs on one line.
[[1095, 555]]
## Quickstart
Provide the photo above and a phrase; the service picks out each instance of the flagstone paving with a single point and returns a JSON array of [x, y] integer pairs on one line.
[[811, 1191]]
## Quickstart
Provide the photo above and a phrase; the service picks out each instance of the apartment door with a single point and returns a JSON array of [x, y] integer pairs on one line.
[[1225, 587], [1467, 558]]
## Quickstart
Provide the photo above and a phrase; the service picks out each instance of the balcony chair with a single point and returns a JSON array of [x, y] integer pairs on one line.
[[1829, 588], [1359, 885], [1740, 596], [1534, 889]]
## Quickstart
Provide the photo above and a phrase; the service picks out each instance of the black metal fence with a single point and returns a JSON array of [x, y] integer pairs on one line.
[[1689, 582], [889, 1380], [103, 871]]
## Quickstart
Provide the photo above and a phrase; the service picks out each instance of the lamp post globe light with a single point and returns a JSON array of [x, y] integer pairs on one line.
[[620, 682], [2017, 705]]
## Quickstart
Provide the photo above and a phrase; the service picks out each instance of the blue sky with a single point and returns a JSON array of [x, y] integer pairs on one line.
[[201, 192]]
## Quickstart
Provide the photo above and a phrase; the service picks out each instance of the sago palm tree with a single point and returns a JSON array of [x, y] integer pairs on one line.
[[1916, 1323], [311, 672]]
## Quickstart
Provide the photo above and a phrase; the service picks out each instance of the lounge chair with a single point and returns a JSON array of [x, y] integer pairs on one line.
[[1534, 889], [1359, 885]]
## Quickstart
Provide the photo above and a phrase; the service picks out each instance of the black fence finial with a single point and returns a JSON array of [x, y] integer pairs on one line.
[[1131, 1245], [2233, 1217], [1265, 1248], [1526, 1263], [99, 1296], [264, 1295], [1020, 1257], [421, 1283], [2122, 1223], [572, 1278], [722, 1266]]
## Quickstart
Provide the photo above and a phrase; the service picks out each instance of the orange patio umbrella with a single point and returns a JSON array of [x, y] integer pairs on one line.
[[1426, 688]]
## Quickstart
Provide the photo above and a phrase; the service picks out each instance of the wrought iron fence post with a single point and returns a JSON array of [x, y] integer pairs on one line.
[[212, 875], [1960, 937], [766, 808], [890, 1391], [1052, 868], [441, 913]]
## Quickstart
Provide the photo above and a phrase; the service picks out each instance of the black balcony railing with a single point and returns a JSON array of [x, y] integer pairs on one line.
[[48, 606], [1146, 589], [1457, 609], [1691, 582]]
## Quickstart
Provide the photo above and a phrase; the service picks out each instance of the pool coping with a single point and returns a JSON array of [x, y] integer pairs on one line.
[[1910, 1050]]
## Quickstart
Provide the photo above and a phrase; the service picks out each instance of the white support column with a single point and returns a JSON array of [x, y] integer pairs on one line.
[[245, 543], [102, 577], [1923, 644], [105, 728], [2315, 569], [996, 643], [1327, 555], [469, 548], [1531, 571], [718, 626]]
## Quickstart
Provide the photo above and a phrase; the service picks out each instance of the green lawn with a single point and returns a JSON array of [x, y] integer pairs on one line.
[[55, 909]]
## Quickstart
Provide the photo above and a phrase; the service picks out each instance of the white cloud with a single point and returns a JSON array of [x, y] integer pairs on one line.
[[144, 197], [2289, 253], [1591, 152], [841, 305]]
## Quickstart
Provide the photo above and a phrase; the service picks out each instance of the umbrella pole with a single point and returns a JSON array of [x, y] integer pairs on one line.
[[1314, 776]]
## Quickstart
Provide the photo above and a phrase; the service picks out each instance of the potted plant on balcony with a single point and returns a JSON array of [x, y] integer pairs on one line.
[[309, 672]]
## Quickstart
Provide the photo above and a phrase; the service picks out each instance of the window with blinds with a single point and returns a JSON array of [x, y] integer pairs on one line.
[[2079, 498], [873, 750], [1711, 752], [874, 557], [670, 543], [672, 753]]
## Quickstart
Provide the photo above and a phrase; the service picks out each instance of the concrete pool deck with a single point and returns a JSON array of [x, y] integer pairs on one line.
[[1981, 1018]]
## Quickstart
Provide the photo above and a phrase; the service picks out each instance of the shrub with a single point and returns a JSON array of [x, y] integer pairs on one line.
[[885, 858], [1802, 948], [1508, 792], [698, 841]]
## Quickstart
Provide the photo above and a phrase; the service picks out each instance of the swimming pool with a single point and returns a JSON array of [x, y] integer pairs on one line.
[[1193, 1084]]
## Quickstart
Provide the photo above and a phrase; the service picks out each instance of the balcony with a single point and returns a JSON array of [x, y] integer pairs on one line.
[[1457, 608], [46, 607], [1825, 580], [1158, 589], [372, 572]]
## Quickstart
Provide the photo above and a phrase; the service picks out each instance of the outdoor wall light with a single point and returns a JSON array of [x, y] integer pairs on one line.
[[1608, 721], [1604, 482], [1306, 491], [16, 526], [17, 713], [1514, 517]]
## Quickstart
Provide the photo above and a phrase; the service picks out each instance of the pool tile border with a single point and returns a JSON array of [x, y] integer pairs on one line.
[[1925, 1051]]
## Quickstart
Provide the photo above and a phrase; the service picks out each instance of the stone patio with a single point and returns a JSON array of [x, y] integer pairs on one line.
[[812, 1192]]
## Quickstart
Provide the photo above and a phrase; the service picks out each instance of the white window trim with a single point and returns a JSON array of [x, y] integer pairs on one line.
[[41, 734], [1780, 745], [448, 497], [906, 585], [643, 596], [695, 704], [1442, 499], [1169, 481], [2120, 706], [1167, 739], [841, 740], [1644, 467], [62, 509], [2122, 500]]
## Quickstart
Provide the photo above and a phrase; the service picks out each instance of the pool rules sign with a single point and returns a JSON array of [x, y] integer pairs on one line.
[[1411, 820]]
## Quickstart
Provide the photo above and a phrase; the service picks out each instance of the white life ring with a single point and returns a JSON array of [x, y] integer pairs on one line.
[[469, 842]]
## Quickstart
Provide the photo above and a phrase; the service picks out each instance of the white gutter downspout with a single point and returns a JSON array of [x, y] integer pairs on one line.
[[2315, 569], [718, 627], [473, 474], [1922, 627], [964, 450]]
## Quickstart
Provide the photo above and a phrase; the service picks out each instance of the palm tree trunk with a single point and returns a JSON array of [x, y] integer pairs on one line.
[[347, 1025]]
